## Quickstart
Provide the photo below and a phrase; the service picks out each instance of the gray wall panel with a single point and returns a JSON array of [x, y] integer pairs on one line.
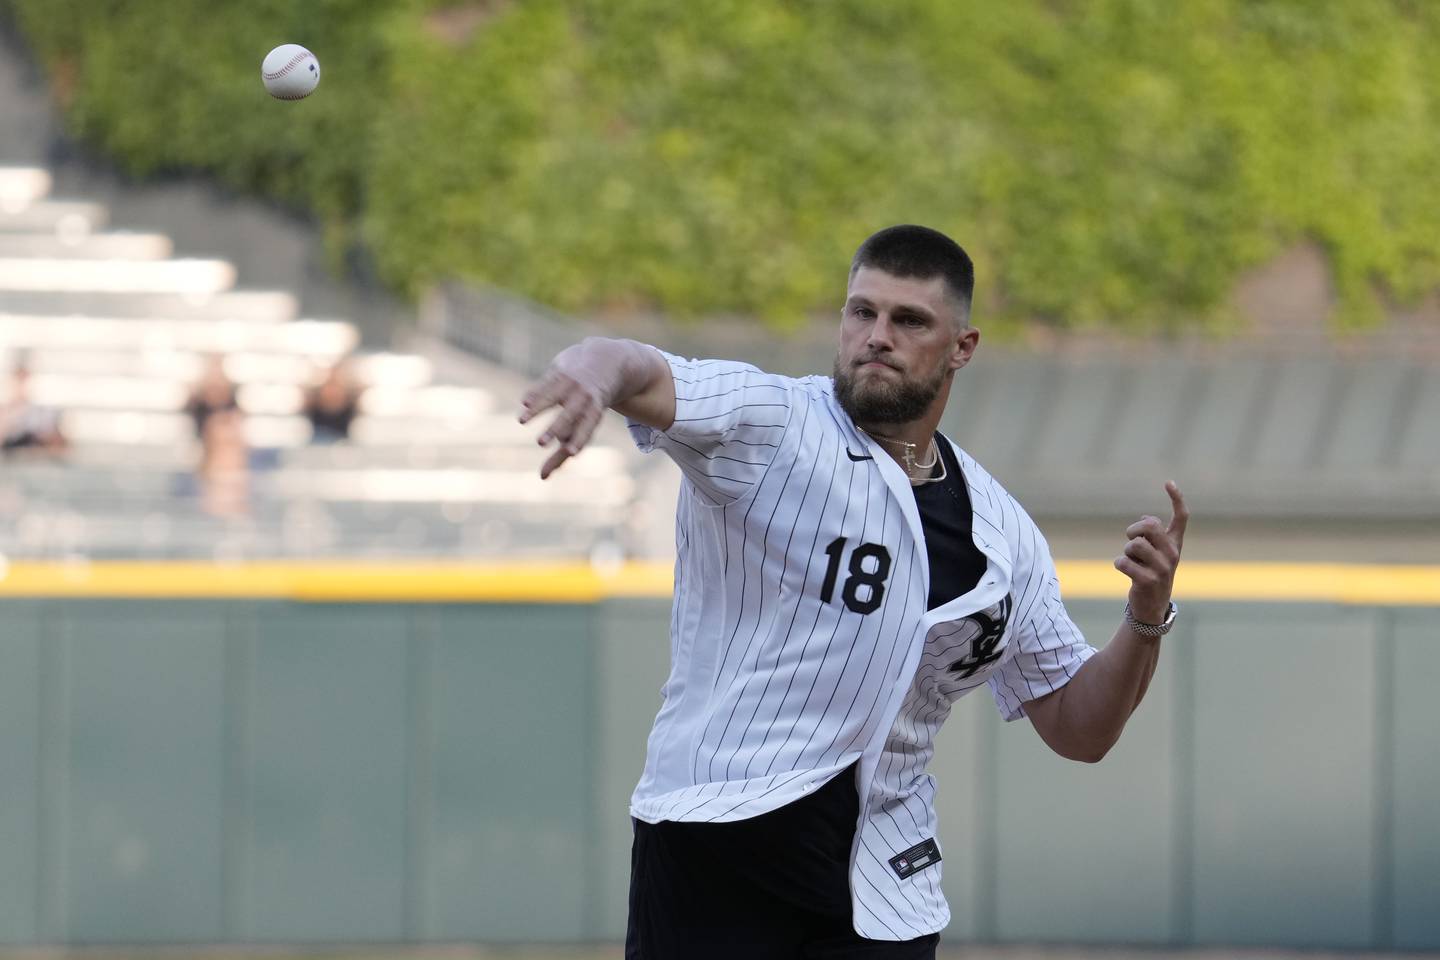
[[973, 417], [1013, 399], [1061, 823], [633, 659], [1415, 845], [964, 800], [1293, 420], [510, 831], [1232, 401], [327, 724], [143, 709], [19, 764], [1285, 815], [1091, 394], [1419, 441], [378, 773], [1360, 430], [1157, 404]]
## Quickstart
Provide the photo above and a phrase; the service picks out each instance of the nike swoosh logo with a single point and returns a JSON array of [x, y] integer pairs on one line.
[[856, 457]]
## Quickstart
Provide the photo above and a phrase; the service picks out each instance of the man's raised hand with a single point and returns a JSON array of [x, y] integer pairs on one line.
[[1151, 555]]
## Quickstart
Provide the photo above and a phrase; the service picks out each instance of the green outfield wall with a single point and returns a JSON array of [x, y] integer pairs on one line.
[[252, 769]]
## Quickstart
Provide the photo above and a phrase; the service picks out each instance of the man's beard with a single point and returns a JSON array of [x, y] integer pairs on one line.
[[883, 402]]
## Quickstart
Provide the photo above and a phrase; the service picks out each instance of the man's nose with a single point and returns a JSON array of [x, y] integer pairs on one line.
[[882, 333]]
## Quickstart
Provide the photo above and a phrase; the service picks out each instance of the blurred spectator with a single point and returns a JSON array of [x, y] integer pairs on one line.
[[332, 406], [24, 424], [212, 394], [223, 475]]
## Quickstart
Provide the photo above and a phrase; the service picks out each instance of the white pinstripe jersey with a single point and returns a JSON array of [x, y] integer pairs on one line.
[[800, 638]]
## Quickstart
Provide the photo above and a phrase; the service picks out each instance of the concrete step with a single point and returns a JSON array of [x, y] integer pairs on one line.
[[92, 246], [448, 403], [183, 453], [177, 528], [162, 363], [164, 428], [593, 460], [135, 425], [189, 278], [22, 186], [251, 306], [65, 218], [79, 485], [107, 392], [497, 429], [121, 458], [417, 490], [438, 402], [453, 485], [273, 384], [319, 340]]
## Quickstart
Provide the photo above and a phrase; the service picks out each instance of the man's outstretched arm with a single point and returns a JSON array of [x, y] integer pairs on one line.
[[594, 375], [1083, 719]]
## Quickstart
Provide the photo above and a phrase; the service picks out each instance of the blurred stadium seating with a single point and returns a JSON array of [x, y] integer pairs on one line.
[[114, 330]]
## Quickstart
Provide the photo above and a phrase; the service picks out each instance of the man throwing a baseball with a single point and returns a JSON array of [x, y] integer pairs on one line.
[[844, 573]]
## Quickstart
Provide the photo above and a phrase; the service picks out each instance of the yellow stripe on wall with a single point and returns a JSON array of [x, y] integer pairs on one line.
[[433, 582], [1311, 582], [337, 581]]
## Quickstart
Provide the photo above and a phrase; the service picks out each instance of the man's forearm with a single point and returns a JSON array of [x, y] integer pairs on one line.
[[1083, 719], [1094, 705]]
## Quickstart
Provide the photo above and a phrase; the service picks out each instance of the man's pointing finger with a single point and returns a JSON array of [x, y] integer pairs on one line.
[[1180, 515]]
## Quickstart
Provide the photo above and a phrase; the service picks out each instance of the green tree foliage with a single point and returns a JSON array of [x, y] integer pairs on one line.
[[1108, 162]]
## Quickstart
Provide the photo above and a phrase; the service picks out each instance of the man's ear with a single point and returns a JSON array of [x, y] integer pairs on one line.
[[964, 347]]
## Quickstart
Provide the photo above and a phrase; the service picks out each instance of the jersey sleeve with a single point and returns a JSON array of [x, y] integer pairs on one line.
[[1049, 648], [730, 419]]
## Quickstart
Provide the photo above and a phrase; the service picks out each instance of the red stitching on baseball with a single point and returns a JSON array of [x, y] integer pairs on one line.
[[299, 59]]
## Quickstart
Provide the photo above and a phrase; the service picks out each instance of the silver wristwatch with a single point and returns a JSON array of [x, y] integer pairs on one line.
[[1152, 629]]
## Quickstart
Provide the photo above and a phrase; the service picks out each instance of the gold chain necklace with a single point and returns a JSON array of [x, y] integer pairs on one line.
[[911, 466]]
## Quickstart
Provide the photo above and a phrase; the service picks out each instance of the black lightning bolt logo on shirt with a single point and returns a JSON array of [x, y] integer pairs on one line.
[[983, 650]]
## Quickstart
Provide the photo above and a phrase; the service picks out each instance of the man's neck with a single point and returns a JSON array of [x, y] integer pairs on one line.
[[899, 439]]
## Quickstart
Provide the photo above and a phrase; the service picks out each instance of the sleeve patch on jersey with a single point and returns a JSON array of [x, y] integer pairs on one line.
[[918, 857]]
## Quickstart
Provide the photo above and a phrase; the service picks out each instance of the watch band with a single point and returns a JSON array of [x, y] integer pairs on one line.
[[1152, 629]]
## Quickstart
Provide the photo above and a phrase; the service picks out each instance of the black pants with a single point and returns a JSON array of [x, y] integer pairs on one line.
[[774, 886]]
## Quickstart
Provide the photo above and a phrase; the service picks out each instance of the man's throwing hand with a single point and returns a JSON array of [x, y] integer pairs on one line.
[[1150, 559], [575, 383]]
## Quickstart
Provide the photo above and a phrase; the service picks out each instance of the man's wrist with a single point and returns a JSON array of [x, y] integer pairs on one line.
[[1142, 624], [616, 367], [1148, 613]]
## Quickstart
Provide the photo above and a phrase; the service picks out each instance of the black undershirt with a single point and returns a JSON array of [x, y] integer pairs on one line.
[[946, 516]]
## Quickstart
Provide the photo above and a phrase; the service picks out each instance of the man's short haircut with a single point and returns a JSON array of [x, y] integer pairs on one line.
[[908, 250]]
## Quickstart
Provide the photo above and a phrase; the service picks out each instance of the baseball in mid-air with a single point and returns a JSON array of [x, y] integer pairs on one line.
[[290, 72]]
